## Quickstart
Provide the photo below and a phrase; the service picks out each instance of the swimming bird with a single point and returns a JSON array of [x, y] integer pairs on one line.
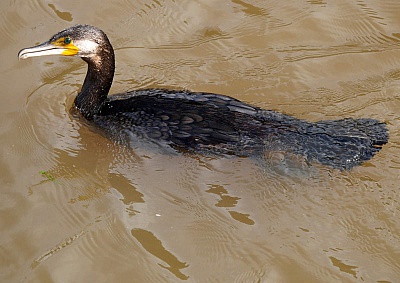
[[203, 122]]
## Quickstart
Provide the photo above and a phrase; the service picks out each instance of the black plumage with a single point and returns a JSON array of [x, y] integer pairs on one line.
[[204, 122]]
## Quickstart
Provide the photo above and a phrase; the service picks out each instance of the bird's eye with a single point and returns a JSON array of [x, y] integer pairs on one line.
[[67, 40]]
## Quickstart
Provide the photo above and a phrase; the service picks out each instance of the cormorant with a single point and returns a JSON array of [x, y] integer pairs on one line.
[[204, 122]]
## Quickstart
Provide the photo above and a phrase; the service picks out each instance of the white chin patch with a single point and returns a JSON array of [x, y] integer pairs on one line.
[[86, 47]]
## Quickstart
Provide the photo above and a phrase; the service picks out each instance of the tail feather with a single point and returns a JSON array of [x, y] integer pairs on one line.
[[340, 144], [343, 143]]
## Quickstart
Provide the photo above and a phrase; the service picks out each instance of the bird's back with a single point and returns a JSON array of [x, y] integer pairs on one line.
[[220, 124]]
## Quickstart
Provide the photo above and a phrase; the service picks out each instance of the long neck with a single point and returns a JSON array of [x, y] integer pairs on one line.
[[97, 82]]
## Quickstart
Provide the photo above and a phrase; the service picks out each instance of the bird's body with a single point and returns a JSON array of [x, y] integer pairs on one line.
[[203, 122]]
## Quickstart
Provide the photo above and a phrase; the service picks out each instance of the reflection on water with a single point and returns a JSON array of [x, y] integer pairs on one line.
[[154, 246], [77, 207], [62, 15]]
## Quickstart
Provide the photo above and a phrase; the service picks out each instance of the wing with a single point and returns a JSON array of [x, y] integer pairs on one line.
[[182, 118]]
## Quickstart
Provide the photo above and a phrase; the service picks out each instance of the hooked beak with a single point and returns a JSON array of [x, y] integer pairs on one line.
[[48, 48]]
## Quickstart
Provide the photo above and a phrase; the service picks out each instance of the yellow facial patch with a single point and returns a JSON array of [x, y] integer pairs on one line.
[[67, 44]]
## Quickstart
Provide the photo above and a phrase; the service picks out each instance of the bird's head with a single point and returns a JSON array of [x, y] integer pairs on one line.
[[79, 40]]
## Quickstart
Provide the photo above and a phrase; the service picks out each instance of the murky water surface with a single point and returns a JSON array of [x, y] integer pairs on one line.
[[75, 207]]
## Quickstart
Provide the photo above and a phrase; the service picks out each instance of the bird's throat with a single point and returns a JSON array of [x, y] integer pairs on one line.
[[97, 83]]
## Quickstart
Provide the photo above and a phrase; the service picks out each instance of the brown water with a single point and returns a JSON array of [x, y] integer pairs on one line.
[[75, 207]]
